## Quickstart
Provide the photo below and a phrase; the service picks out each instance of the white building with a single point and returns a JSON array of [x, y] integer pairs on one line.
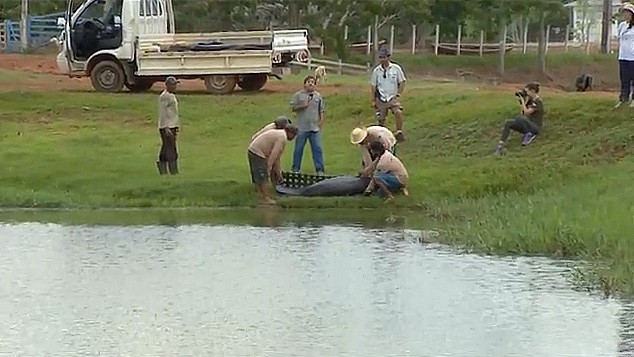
[[586, 17]]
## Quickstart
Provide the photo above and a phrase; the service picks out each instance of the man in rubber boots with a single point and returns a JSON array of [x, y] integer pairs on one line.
[[168, 124], [264, 155], [387, 83], [362, 137], [388, 173]]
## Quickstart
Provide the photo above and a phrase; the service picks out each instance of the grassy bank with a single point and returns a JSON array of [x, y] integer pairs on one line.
[[569, 194], [563, 67]]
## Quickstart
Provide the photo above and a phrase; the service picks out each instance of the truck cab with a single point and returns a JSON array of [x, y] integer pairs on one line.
[[133, 43]]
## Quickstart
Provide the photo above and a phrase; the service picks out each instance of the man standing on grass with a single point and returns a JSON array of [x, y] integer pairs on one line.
[[310, 107], [264, 155], [387, 83], [169, 124]]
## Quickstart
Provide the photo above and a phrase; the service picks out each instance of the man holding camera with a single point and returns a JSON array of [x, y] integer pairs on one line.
[[530, 121]]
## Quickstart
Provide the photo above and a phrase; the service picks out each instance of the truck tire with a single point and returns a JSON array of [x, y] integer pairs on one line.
[[107, 76], [140, 85], [220, 84], [253, 82]]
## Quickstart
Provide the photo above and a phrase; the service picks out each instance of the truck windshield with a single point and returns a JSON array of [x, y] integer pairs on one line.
[[101, 9]]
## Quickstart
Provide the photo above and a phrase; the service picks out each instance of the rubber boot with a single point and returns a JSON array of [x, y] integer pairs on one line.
[[162, 167], [173, 167]]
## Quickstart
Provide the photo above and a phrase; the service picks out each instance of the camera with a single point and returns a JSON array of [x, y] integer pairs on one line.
[[521, 93]]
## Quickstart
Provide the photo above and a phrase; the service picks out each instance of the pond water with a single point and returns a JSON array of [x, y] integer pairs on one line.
[[287, 291]]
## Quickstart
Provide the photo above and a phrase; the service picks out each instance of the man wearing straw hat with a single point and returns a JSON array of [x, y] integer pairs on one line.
[[364, 136]]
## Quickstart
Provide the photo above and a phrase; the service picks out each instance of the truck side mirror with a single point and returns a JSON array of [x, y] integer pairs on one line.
[[61, 22]]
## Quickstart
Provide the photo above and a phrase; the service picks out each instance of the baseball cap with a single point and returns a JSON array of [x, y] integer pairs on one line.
[[171, 80], [384, 53], [282, 121]]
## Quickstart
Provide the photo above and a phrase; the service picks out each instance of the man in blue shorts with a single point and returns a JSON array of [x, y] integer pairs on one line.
[[389, 175]]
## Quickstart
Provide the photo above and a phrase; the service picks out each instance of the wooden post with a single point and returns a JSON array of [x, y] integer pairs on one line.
[[481, 43], [345, 33], [309, 64], [525, 38], [459, 39], [340, 68], [547, 39], [413, 39], [587, 39], [322, 49], [24, 25], [437, 42], [375, 38], [369, 41], [392, 39], [567, 37]]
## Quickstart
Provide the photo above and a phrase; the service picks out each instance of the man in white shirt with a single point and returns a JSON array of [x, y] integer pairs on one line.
[[168, 124], [387, 83]]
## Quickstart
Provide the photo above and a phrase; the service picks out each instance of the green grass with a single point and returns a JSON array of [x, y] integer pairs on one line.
[[569, 194]]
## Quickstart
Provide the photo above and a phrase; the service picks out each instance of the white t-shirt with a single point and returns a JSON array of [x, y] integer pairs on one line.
[[626, 41], [387, 80]]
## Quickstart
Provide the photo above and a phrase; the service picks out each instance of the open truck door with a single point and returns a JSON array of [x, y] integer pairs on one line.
[[65, 57]]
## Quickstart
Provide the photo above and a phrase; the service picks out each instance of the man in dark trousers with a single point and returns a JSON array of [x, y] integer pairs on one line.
[[529, 122], [168, 123]]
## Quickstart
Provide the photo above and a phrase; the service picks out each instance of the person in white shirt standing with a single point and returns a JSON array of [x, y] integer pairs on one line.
[[625, 35], [387, 83], [169, 124]]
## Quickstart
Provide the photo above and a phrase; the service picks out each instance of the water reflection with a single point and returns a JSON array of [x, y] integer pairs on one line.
[[330, 290], [626, 318]]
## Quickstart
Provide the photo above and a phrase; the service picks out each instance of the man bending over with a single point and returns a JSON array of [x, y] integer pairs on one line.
[[388, 173], [529, 122], [280, 123], [362, 137], [264, 156]]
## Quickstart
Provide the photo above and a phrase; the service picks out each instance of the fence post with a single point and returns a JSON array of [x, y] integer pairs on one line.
[[413, 39], [566, 39], [392, 39], [322, 49], [547, 38], [345, 33], [437, 40], [481, 42], [459, 40], [340, 68], [525, 38], [367, 50]]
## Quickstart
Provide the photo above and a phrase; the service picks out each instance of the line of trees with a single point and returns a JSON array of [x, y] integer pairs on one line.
[[326, 19]]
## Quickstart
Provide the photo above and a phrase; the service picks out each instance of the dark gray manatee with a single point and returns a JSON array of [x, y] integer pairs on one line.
[[337, 186]]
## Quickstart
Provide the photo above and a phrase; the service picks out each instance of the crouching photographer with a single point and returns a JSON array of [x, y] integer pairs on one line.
[[530, 121]]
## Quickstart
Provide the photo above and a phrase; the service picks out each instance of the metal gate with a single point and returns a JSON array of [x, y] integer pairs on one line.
[[41, 30]]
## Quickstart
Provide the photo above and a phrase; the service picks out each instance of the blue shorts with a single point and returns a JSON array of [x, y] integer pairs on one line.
[[390, 181]]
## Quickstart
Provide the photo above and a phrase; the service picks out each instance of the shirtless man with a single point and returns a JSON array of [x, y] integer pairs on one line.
[[388, 173], [280, 123], [264, 154], [363, 137]]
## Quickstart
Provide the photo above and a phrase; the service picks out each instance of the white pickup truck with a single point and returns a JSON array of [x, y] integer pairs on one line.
[[133, 44]]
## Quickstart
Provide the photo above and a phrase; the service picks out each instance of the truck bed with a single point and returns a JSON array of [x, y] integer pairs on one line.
[[213, 41], [202, 55]]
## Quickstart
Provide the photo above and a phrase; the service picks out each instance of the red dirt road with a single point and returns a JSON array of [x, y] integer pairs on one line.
[[51, 78]]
